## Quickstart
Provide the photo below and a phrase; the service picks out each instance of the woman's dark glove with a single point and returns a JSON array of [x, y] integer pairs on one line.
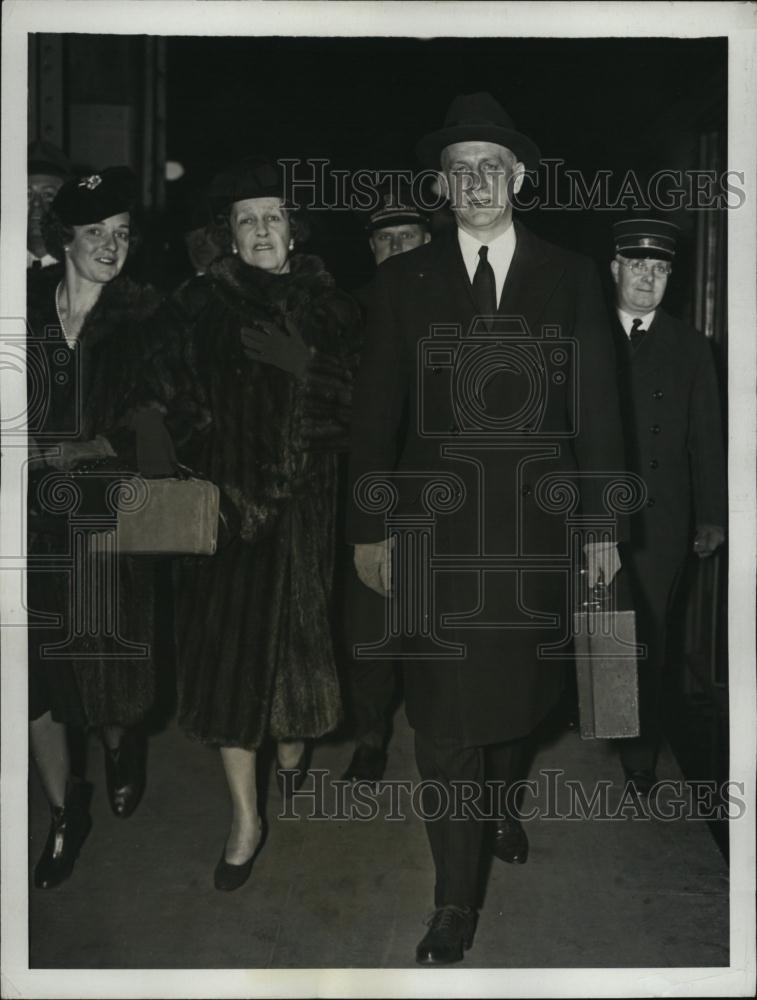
[[272, 345]]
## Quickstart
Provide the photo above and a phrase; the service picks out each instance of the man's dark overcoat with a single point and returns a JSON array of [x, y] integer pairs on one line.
[[552, 388]]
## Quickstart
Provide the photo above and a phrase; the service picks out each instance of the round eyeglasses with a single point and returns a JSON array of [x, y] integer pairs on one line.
[[658, 268]]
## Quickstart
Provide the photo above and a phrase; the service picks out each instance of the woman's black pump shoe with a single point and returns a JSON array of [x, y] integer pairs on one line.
[[69, 827], [125, 773], [228, 877]]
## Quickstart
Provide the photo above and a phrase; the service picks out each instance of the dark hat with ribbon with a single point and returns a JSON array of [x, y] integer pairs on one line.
[[479, 117], [641, 238], [45, 158], [396, 209], [252, 177], [96, 197]]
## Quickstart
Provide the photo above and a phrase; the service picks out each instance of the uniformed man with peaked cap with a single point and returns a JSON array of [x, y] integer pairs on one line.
[[671, 412]]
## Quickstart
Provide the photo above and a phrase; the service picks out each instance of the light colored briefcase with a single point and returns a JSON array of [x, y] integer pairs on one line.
[[606, 671], [169, 517]]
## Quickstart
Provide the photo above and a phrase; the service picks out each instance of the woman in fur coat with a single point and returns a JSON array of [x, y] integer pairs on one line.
[[88, 351], [270, 341]]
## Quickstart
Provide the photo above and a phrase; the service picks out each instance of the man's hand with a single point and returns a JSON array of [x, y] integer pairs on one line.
[[708, 538], [373, 562], [275, 346], [73, 453], [602, 562]]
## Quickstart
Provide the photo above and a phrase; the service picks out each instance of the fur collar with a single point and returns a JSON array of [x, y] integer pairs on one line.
[[240, 285], [121, 302]]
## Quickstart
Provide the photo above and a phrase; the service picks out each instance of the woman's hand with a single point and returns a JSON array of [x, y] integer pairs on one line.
[[270, 344], [68, 454]]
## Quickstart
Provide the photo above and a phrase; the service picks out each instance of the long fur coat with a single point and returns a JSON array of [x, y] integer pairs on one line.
[[255, 648]]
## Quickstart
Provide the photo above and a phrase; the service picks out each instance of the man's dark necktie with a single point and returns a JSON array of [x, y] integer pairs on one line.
[[484, 286], [636, 333], [36, 264]]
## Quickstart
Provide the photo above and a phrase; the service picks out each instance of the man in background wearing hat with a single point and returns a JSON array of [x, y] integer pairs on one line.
[[671, 411], [394, 227], [47, 168], [474, 702]]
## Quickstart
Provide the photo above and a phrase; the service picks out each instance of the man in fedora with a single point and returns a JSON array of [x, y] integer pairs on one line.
[[47, 167], [395, 226], [477, 670], [670, 408]]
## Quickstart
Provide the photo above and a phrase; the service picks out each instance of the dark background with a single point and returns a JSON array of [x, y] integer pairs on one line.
[[600, 104]]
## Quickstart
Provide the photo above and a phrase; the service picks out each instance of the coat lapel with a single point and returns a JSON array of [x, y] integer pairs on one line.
[[532, 276], [657, 348]]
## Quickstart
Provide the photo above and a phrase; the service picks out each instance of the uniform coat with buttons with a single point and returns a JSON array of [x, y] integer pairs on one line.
[[557, 373], [672, 421]]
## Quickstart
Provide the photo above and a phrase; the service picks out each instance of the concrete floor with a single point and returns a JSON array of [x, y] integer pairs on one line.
[[341, 893]]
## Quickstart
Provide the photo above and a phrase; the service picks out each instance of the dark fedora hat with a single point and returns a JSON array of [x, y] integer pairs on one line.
[[479, 117], [251, 177], [96, 197], [654, 239]]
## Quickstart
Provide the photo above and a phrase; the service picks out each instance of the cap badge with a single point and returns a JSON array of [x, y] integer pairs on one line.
[[91, 182]]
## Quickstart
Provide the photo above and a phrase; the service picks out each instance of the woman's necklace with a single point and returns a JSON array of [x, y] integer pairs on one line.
[[71, 341]]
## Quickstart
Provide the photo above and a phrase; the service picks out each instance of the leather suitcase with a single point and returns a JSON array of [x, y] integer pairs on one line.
[[606, 673], [176, 517]]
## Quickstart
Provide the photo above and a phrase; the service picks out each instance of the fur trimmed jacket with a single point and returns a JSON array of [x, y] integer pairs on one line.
[[262, 660]]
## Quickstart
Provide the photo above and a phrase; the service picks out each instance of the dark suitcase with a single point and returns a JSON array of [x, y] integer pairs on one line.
[[606, 652]]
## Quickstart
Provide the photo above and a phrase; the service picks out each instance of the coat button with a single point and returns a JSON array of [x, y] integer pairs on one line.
[[525, 490], [653, 463], [658, 394], [655, 428], [650, 502]]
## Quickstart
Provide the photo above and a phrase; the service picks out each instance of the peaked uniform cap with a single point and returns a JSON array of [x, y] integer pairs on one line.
[[645, 238]]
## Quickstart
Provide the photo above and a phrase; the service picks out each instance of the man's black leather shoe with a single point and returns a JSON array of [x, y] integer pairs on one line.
[[510, 841], [642, 781], [368, 764], [451, 930]]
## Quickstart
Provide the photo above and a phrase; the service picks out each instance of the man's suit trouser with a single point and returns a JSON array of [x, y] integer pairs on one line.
[[654, 590], [455, 842]]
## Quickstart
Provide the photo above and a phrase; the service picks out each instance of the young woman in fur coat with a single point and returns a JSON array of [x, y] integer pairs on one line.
[[270, 341], [87, 352]]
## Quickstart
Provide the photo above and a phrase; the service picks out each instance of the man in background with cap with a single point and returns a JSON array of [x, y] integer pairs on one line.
[[47, 168], [476, 683], [394, 227], [671, 412]]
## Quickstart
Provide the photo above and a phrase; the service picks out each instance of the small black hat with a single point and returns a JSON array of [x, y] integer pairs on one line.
[[640, 238], [477, 117], [96, 197], [45, 158], [396, 210], [252, 177]]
